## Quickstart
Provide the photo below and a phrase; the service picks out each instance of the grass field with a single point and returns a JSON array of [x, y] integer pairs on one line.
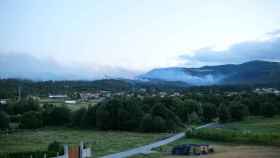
[[229, 149], [222, 150], [102, 142], [256, 124]]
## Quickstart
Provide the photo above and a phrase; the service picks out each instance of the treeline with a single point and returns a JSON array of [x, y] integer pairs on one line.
[[148, 114], [9, 87], [29, 114]]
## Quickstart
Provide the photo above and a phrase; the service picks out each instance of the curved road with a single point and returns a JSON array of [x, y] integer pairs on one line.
[[147, 148]]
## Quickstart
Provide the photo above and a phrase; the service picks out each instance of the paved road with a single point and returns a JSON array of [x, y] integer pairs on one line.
[[147, 148]]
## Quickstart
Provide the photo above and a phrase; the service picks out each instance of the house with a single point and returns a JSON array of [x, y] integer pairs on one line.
[[70, 101], [58, 96]]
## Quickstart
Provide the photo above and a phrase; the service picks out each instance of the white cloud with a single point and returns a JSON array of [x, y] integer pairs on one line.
[[265, 49]]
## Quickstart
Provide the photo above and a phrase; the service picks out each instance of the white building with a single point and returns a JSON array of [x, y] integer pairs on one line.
[[70, 101], [57, 96], [3, 101]]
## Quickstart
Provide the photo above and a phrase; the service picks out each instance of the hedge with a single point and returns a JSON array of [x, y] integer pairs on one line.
[[225, 135]]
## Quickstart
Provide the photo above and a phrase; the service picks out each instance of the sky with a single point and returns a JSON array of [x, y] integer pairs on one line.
[[128, 37]]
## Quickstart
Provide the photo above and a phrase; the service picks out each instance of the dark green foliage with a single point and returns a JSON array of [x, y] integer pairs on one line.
[[268, 109], [224, 113], [147, 123], [31, 120], [23, 106], [56, 147], [79, 117], [4, 120], [194, 118], [90, 117], [238, 111], [196, 105], [119, 113], [59, 116], [209, 112]]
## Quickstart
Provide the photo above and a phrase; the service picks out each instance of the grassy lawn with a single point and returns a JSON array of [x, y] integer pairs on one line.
[[229, 149], [257, 124], [102, 142], [222, 150]]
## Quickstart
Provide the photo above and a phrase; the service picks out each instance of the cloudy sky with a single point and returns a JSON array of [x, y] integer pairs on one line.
[[127, 37]]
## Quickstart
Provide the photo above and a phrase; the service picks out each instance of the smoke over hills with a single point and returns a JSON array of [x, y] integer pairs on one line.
[[254, 72]]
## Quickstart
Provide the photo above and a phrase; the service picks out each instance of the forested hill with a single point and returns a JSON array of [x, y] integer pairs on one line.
[[249, 73]]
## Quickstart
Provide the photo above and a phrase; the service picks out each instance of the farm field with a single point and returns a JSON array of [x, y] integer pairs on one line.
[[222, 150], [101, 142], [256, 125], [229, 149]]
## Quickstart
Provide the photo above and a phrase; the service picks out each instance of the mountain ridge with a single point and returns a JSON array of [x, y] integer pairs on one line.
[[252, 72]]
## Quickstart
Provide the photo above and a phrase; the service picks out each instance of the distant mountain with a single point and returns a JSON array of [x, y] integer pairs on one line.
[[253, 72]]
